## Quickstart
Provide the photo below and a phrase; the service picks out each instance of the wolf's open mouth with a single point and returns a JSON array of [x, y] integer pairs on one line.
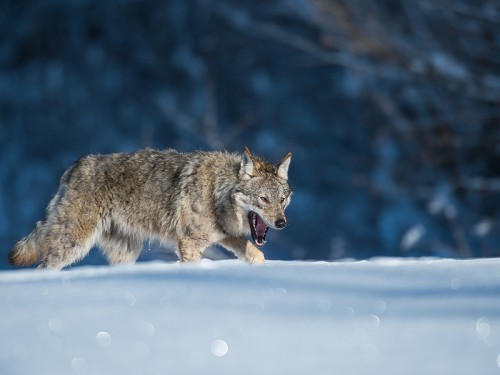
[[258, 229]]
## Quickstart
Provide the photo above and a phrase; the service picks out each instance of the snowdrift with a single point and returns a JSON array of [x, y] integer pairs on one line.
[[384, 316]]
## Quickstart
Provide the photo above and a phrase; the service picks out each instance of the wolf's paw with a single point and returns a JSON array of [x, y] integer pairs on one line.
[[257, 257]]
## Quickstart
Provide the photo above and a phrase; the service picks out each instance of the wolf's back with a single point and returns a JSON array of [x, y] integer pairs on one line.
[[26, 251]]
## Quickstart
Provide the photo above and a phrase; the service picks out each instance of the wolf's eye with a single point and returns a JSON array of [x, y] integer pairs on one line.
[[264, 199], [282, 200]]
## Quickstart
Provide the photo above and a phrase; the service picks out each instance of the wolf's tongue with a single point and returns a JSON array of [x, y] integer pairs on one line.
[[260, 228]]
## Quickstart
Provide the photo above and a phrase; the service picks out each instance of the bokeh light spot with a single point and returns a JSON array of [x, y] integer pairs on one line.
[[219, 348]]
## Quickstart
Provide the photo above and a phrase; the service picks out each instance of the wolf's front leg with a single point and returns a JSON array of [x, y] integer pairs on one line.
[[190, 250], [243, 249]]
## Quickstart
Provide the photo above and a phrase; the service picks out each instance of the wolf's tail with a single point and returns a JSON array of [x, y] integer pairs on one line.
[[27, 250]]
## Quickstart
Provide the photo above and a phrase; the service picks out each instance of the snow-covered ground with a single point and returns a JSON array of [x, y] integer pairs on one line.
[[384, 316]]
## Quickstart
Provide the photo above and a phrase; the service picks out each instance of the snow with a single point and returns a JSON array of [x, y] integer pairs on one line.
[[383, 316]]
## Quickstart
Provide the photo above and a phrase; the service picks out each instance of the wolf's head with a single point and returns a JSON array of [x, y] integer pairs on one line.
[[264, 193]]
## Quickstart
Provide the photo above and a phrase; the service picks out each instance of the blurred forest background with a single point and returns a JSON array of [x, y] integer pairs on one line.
[[391, 108]]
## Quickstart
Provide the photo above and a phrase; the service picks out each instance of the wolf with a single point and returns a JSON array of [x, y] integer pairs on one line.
[[191, 200]]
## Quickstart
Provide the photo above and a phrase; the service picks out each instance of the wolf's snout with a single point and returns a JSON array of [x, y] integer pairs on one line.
[[280, 223]]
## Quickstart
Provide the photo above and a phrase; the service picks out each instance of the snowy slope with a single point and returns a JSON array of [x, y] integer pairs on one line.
[[383, 316]]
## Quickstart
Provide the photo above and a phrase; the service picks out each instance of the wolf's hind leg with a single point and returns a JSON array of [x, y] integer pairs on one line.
[[67, 243], [118, 247], [70, 229], [243, 249]]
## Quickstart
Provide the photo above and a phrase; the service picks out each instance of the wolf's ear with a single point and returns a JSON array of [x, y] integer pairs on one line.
[[247, 166], [283, 166]]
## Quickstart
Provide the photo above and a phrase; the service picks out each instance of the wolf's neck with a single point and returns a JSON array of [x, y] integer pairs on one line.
[[229, 216]]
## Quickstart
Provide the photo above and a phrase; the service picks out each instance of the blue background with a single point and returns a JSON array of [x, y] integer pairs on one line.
[[391, 110]]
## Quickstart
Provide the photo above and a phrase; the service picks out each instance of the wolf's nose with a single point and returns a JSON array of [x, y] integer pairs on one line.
[[280, 223]]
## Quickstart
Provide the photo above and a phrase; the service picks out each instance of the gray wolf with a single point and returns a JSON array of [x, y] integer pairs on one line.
[[192, 200]]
